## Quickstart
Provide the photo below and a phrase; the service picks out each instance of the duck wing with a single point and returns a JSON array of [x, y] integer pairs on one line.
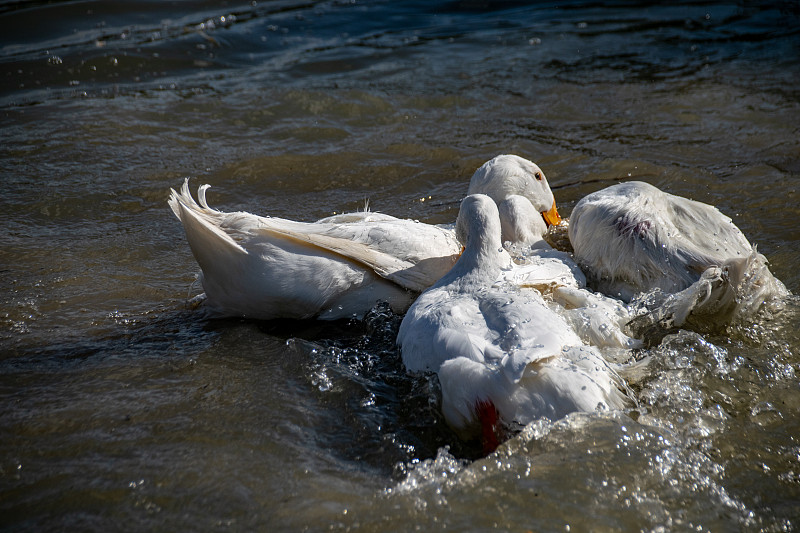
[[415, 273]]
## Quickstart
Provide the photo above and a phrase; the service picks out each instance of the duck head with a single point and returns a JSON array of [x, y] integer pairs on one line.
[[507, 175], [478, 223]]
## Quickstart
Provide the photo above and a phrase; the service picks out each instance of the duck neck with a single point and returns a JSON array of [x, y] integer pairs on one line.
[[480, 263]]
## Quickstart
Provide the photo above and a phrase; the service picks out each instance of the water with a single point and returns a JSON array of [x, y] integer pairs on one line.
[[121, 405]]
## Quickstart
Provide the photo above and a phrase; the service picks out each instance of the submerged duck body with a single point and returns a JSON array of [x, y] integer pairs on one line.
[[338, 267], [498, 349], [632, 237]]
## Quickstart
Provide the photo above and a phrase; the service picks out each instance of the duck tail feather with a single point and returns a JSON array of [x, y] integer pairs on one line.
[[207, 241], [174, 204], [201, 195]]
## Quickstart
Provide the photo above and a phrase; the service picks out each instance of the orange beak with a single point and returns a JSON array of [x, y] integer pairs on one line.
[[552, 217]]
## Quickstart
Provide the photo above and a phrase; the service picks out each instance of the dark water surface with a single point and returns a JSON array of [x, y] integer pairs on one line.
[[123, 409]]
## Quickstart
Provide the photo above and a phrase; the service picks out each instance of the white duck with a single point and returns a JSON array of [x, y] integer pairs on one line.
[[501, 355], [265, 267], [632, 238]]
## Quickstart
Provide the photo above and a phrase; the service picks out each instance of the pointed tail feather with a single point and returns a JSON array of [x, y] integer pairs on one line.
[[185, 197], [213, 249]]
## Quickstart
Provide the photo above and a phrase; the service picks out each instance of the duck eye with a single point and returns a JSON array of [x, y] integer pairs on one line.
[[538, 176]]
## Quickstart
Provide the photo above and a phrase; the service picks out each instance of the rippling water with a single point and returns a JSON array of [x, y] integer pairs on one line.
[[121, 405]]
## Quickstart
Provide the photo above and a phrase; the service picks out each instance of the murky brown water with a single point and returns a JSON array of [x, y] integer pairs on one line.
[[123, 409]]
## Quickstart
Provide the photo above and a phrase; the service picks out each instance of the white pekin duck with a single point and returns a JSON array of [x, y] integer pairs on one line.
[[631, 238], [339, 267], [501, 354]]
